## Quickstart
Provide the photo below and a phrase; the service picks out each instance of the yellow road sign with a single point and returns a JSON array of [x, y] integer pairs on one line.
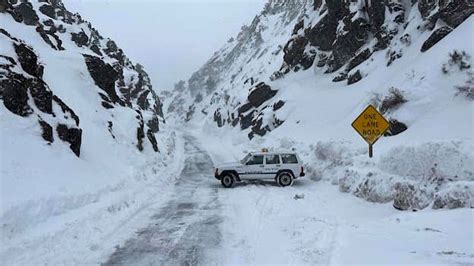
[[371, 125]]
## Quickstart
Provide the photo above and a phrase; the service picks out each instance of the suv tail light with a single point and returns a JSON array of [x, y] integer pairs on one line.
[[302, 171]]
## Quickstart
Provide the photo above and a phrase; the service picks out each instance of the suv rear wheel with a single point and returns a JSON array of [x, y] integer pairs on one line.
[[284, 179], [227, 180]]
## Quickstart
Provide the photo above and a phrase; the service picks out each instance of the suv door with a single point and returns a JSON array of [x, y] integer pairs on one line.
[[272, 165], [254, 167]]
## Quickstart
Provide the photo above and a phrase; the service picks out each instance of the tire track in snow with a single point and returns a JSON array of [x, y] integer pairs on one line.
[[186, 231]]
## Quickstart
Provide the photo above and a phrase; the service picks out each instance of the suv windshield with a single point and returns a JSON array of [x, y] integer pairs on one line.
[[246, 158], [256, 159]]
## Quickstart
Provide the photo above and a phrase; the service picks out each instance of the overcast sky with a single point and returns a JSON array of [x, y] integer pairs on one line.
[[172, 39]]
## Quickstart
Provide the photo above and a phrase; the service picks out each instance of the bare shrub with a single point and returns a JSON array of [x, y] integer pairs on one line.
[[467, 89], [392, 100], [457, 59]]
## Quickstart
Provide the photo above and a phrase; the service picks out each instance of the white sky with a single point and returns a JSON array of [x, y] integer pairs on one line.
[[172, 39]]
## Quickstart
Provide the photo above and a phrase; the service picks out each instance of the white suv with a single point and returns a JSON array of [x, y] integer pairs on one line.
[[283, 167]]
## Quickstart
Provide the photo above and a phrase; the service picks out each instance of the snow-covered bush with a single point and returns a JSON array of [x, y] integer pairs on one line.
[[467, 89], [431, 160], [461, 60], [348, 180], [455, 195], [375, 188], [411, 196], [392, 100]]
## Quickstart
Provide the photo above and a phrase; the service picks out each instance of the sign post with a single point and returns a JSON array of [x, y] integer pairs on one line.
[[370, 125]]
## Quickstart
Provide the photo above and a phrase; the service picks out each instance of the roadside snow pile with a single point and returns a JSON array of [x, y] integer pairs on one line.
[[413, 177], [57, 195], [433, 160]]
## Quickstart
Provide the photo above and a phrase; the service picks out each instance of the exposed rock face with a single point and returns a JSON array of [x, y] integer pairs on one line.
[[119, 82], [22, 86], [71, 135], [260, 94], [25, 13], [48, 10], [28, 60], [104, 76], [357, 76], [249, 115], [80, 38], [435, 37], [339, 38]]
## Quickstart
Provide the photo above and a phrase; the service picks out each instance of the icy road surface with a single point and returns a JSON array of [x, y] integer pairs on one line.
[[260, 223], [187, 229]]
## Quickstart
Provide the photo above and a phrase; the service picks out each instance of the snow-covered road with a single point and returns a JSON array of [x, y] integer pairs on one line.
[[186, 231], [261, 223], [193, 220]]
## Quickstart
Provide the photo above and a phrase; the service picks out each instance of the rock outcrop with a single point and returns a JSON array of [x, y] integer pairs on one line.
[[339, 39], [118, 82], [25, 94]]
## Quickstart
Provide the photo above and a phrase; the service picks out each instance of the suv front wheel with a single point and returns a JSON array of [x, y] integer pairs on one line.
[[284, 179], [227, 180]]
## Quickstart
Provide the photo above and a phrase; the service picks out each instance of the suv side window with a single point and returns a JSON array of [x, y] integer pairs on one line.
[[256, 159], [289, 158], [272, 159]]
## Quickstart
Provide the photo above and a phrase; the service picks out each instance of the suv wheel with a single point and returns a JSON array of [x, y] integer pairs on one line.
[[284, 179], [227, 180]]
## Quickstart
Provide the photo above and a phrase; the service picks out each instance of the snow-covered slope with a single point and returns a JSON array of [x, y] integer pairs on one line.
[[304, 70], [79, 121]]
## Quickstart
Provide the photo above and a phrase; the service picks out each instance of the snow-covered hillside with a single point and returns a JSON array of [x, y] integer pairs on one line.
[[304, 70], [80, 123]]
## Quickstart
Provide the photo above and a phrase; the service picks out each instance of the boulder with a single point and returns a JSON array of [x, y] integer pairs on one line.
[[396, 127]]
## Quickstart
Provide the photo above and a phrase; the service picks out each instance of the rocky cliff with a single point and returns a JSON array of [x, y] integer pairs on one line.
[[338, 40], [40, 42]]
